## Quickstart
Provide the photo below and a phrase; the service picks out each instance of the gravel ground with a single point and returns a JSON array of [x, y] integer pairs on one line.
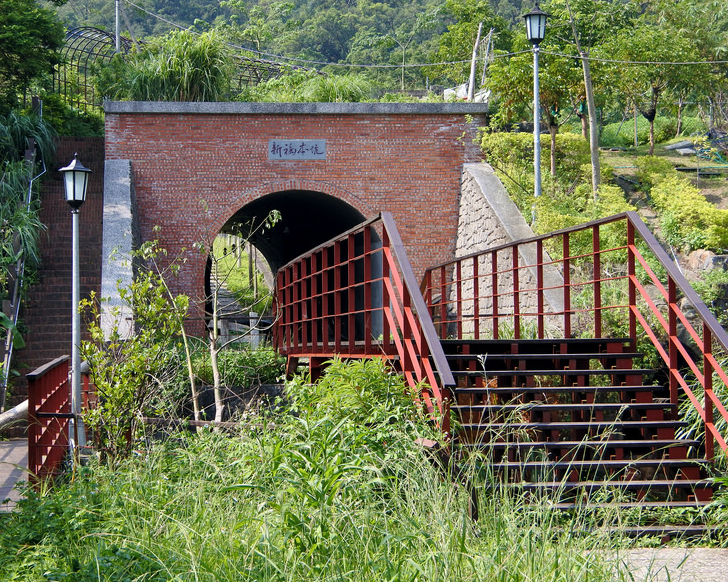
[[674, 564]]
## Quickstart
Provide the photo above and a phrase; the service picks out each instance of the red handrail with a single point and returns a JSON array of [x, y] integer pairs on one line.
[[49, 415], [49, 408], [356, 296], [567, 283]]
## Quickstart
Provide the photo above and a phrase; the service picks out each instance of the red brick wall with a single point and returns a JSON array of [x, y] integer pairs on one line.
[[47, 313], [407, 164]]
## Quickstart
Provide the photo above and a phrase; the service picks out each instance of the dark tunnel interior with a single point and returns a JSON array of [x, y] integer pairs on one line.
[[308, 219]]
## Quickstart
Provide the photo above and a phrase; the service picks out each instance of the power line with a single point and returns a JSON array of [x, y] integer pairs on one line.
[[637, 63]]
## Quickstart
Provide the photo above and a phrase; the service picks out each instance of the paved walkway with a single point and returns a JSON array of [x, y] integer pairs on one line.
[[674, 564], [13, 462]]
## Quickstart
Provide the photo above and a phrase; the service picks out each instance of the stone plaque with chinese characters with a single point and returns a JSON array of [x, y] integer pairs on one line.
[[297, 149]]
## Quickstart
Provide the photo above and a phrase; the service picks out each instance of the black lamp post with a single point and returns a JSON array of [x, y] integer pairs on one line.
[[76, 180], [535, 32]]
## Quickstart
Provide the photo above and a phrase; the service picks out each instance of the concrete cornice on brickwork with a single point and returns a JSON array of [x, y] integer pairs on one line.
[[235, 108]]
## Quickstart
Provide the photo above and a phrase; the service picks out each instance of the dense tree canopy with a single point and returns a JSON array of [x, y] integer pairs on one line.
[[393, 45], [30, 38]]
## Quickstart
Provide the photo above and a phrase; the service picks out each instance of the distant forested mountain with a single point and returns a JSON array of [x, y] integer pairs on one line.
[[358, 32]]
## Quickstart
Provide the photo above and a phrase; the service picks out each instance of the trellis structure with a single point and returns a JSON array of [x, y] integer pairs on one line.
[[86, 46]]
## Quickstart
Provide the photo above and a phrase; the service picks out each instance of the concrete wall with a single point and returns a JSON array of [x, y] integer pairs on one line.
[[489, 218]]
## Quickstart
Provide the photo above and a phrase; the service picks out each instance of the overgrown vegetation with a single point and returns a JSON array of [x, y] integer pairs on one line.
[[131, 368], [178, 67], [567, 197], [687, 220], [622, 133], [330, 487], [20, 226], [241, 276]]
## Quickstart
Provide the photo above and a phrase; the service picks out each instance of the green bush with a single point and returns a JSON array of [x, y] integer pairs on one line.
[[653, 169], [621, 134], [131, 370], [511, 155], [68, 121], [181, 66], [310, 86], [687, 220], [329, 493]]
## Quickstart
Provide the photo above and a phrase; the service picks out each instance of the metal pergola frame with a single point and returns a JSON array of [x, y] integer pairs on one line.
[[86, 45]]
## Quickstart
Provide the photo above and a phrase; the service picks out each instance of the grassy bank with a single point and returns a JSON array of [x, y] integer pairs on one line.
[[330, 486]]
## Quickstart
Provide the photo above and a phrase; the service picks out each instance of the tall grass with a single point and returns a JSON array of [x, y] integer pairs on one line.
[[179, 67], [322, 492]]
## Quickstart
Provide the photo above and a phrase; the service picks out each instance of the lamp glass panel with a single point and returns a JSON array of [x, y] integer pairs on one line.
[[76, 186]]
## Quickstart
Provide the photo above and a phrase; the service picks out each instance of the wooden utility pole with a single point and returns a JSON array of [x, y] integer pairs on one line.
[[591, 107]]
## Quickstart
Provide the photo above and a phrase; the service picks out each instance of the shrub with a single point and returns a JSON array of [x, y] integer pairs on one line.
[[653, 169], [130, 373], [240, 367], [66, 120], [309, 86], [321, 495], [687, 220], [181, 66]]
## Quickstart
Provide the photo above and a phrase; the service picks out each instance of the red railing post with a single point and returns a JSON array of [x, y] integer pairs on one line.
[[631, 285], [315, 300], [338, 308], [566, 274], [476, 299], [597, 281], [443, 302], [458, 282], [708, 394], [540, 304], [672, 340], [516, 294], [325, 296], [368, 284], [496, 293]]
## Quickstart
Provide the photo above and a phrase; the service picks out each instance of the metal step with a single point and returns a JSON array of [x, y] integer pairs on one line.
[[498, 357], [555, 372], [571, 345], [608, 464], [612, 453], [662, 445], [516, 391], [627, 484], [573, 425], [539, 406]]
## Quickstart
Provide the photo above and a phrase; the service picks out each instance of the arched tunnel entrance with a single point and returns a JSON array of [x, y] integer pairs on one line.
[[308, 218]]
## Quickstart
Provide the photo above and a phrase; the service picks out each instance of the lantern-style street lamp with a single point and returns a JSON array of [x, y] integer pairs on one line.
[[535, 32], [76, 181]]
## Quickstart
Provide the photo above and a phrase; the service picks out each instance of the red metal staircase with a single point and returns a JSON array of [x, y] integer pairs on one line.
[[573, 418], [514, 346]]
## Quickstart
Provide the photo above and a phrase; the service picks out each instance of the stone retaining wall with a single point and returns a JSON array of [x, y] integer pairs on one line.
[[489, 218]]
